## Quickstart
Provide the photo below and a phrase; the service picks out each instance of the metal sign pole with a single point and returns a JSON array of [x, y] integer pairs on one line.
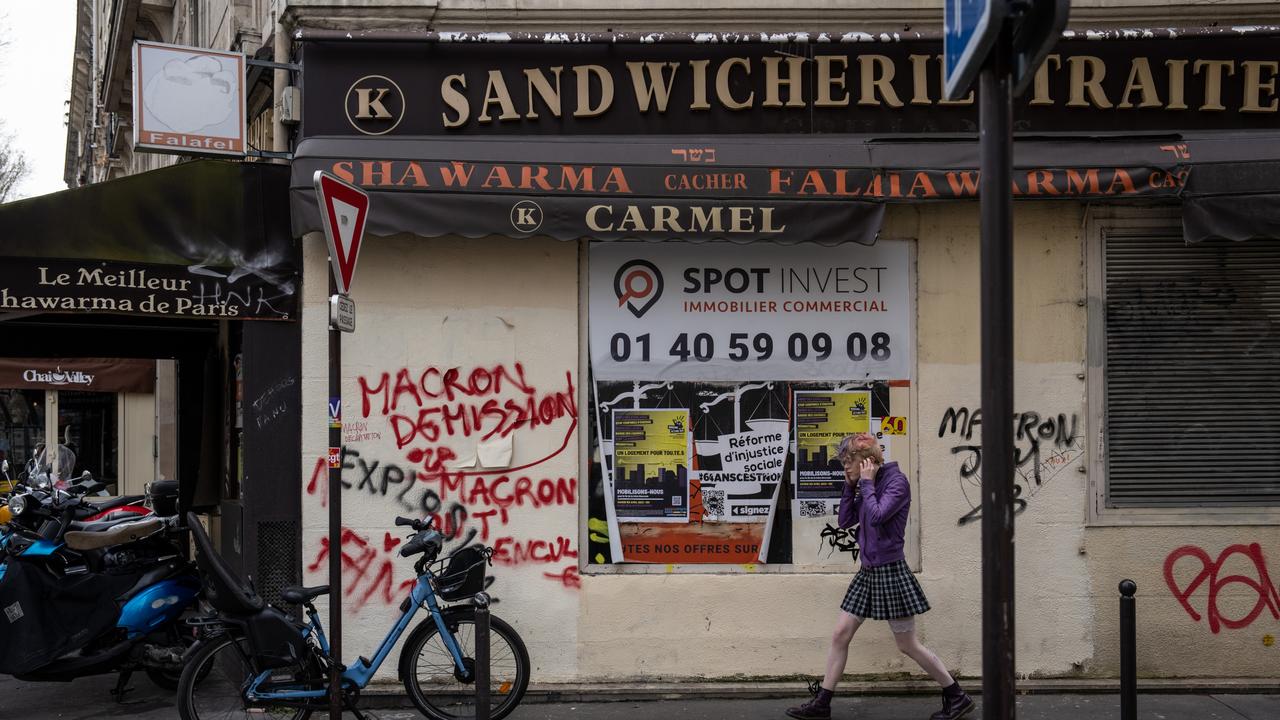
[[343, 210], [335, 517], [996, 153]]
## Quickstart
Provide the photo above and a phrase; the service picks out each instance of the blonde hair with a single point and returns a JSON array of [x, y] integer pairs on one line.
[[862, 446]]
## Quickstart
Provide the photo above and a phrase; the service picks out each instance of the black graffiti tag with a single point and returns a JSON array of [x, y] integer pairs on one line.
[[1043, 446], [841, 539]]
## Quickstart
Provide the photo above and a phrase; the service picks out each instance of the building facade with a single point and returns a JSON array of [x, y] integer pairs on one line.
[[515, 340]]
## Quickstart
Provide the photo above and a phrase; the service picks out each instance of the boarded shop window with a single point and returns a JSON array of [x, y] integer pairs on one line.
[[723, 377], [1192, 373]]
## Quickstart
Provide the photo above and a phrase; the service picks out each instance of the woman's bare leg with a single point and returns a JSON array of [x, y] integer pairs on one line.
[[838, 655], [910, 646]]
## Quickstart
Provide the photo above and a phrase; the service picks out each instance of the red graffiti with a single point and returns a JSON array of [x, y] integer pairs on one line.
[[1267, 593], [366, 573], [432, 459], [505, 491], [568, 577], [428, 411], [509, 551], [432, 383], [319, 472], [486, 402]]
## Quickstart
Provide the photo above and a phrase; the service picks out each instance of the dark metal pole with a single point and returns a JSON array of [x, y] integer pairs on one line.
[[335, 521], [1128, 651], [996, 153], [482, 656]]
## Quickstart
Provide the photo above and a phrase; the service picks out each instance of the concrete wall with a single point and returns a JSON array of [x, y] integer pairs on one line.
[[496, 302]]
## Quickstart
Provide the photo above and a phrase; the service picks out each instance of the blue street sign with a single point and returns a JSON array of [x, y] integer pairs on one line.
[[970, 28]]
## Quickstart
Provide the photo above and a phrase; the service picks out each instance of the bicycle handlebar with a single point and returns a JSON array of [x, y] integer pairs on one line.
[[417, 525]]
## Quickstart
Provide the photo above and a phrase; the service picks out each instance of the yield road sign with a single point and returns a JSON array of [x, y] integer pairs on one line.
[[970, 28], [344, 208]]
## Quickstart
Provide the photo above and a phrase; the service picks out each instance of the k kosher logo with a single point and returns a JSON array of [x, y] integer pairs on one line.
[[526, 216], [375, 105], [638, 285]]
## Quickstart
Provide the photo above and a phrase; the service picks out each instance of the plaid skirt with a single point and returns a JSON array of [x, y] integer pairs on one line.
[[887, 592]]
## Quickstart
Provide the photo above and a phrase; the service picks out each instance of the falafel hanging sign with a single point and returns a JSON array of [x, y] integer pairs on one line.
[[188, 100], [712, 311]]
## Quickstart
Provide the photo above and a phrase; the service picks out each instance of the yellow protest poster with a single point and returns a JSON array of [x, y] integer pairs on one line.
[[651, 449], [822, 420]]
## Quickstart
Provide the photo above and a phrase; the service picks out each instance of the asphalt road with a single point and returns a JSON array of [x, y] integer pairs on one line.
[[91, 698]]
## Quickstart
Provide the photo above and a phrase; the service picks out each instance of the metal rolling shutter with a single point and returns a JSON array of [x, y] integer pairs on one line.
[[1192, 371]]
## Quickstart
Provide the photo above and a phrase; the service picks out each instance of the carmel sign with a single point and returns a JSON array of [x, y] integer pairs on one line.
[[408, 89]]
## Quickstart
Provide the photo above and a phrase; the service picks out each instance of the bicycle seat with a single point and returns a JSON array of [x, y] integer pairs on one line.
[[297, 595]]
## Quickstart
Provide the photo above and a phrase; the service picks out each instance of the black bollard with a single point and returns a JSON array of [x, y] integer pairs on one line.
[[1128, 651], [482, 656]]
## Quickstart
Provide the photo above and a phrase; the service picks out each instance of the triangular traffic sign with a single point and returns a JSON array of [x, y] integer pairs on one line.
[[344, 209]]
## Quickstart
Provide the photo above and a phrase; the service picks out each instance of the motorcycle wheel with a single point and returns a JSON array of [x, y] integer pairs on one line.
[[211, 684]]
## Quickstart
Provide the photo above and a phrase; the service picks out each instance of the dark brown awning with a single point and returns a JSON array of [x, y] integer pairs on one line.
[[821, 188], [84, 374]]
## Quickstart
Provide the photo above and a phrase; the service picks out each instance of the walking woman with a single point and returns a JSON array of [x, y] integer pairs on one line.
[[877, 497]]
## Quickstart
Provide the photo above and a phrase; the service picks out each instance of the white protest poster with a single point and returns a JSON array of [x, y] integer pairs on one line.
[[676, 311], [745, 489]]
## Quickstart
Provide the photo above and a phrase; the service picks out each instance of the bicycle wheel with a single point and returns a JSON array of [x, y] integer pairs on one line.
[[212, 682], [442, 693]]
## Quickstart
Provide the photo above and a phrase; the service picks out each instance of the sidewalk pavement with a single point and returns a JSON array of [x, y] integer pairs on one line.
[[90, 698]]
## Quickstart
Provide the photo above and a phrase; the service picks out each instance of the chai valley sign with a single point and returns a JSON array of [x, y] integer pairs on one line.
[[407, 88]]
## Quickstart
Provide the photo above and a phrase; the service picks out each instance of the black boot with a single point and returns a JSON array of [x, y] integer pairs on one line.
[[819, 708], [955, 703]]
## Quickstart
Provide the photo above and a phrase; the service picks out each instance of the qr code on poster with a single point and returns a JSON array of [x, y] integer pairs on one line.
[[813, 508], [713, 502]]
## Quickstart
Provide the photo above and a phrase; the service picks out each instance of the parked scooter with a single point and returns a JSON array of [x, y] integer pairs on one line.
[[92, 597]]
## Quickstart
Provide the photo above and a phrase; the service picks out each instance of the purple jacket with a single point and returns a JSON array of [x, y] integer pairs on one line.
[[880, 508]]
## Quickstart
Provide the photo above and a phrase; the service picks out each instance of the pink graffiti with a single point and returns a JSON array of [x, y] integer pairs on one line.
[[1267, 593]]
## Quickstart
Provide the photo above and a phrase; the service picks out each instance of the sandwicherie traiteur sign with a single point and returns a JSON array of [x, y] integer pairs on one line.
[[882, 85]]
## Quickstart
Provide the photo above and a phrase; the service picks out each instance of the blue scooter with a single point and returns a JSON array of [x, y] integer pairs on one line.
[[91, 598]]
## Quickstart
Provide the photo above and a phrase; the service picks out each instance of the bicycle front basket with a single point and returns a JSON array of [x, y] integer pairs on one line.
[[464, 575]]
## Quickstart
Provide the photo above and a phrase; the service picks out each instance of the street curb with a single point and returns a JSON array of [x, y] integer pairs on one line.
[[392, 696]]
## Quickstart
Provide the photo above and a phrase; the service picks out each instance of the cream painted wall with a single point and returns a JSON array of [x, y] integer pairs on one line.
[[444, 303], [488, 304], [1171, 643]]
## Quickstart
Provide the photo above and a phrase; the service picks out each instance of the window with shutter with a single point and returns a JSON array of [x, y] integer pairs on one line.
[[1191, 371]]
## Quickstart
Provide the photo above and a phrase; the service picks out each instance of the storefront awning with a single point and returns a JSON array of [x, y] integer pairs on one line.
[[1235, 193], [819, 188], [206, 239]]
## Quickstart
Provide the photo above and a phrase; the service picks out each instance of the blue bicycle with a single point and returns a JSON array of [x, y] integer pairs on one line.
[[255, 661]]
